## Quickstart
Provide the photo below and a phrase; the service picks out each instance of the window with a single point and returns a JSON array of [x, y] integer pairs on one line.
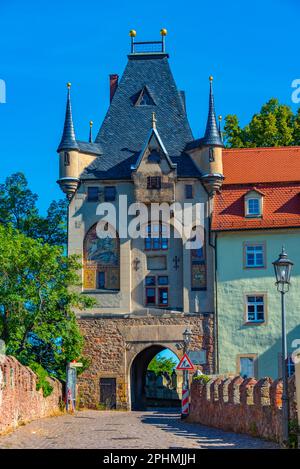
[[255, 308], [253, 207], [254, 255], [101, 280], [101, 261], [290, 366], [163, 296], [162, 280], [156, 237], [156, 294], [67, 158], [188, 191], [198, 263], [109, 193], [144, 98], [150, 296], [153, 182], [246, 366], [93, 194], [211, 154]]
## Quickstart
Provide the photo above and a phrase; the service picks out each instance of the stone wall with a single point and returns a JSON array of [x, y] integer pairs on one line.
[[20, 402], [243, 406], [112, 343]]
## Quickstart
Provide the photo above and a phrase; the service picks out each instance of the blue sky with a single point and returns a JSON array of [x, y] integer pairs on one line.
[[251, 49]]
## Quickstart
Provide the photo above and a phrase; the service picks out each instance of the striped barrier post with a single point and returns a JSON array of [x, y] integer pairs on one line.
[[185, 403]]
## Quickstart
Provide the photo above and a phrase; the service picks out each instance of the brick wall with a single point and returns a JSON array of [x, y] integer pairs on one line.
[[20, 402], [243, 406]]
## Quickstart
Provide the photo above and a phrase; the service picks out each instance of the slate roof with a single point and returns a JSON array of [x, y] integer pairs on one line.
[[126, 126], [212, 134], [68, 139]]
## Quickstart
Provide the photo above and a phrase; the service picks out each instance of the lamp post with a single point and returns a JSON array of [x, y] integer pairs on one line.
[[282, 268], [187, 336]]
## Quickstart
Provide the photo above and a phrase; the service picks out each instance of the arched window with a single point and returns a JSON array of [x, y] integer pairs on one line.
[[101, 261], [198, 263]]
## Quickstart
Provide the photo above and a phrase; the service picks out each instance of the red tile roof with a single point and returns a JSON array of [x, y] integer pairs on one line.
[[253, 165], [272, 171]]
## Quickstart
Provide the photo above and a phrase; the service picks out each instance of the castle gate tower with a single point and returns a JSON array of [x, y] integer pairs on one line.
[[149, 289]]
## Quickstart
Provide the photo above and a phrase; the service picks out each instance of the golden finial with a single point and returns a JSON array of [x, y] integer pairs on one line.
[[211, 78], [132, 33], [163, 32], [91, 124], [153, 120], [68, 85]]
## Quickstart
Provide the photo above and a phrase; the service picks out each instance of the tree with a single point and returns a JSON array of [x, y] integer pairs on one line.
[[161, 364], [37, 299], [274, 125], [18, 207]]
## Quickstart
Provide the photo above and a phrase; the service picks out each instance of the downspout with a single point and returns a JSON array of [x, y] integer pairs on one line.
[[216, 322]]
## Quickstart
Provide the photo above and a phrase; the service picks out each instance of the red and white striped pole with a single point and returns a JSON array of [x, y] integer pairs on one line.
[[185, 403]]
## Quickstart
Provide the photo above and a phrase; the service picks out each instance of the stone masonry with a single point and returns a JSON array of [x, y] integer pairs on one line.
[[113, 343]]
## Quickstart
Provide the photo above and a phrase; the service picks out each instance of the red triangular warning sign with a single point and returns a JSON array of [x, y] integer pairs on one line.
[[185, 363]]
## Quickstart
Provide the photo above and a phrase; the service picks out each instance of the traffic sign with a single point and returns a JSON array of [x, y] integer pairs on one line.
[[185, 363]]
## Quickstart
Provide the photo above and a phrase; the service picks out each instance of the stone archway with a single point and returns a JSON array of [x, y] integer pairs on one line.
[[138, 372]]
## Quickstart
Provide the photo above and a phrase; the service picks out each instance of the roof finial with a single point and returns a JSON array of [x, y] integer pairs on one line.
[[212, 134], [68, 139], [90, 135], [153, 120]]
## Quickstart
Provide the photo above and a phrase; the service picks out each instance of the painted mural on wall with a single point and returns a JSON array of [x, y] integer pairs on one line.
[[101, 262]]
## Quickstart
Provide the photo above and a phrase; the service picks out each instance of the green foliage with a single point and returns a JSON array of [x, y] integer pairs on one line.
[[18, 207], [162, 364], [294, 431], [42, 382], [37, 299], [275, 125], [203, 379]]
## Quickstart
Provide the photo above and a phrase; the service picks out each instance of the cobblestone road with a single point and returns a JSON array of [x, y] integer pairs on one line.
[[95, 429]]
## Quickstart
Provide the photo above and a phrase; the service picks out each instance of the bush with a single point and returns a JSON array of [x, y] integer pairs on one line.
[[203, 379], [42, 382]]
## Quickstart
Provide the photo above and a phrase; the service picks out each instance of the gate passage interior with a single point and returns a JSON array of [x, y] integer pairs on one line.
[[108, 392]]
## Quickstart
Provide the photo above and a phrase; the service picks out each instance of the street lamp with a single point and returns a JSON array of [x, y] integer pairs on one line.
[[187, 337], [283, 268]]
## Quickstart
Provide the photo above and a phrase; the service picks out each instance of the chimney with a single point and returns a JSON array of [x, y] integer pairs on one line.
[[113, 85]]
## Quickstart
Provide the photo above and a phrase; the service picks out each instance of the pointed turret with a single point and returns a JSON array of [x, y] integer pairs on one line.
[[68, 139], [68, 154], [212, 134], [206, 152]]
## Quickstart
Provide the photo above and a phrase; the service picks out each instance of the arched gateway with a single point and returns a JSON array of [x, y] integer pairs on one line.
[[138, 373]]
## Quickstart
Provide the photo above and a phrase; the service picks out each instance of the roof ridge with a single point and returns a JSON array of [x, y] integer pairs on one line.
[[297, 147]]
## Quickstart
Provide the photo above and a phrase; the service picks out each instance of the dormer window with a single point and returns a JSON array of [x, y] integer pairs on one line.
[[144, 98], [253, 204], [253, 207]]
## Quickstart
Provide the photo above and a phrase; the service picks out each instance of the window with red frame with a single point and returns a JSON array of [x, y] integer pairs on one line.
[[157, 291]]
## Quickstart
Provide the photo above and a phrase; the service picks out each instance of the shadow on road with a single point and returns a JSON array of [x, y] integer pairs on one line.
[[204, 437]]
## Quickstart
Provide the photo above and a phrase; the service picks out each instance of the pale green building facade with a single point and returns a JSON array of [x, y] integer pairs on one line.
[[248, 347]]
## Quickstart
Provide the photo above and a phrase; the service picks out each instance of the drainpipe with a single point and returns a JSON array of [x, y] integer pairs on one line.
[[216, 322]]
